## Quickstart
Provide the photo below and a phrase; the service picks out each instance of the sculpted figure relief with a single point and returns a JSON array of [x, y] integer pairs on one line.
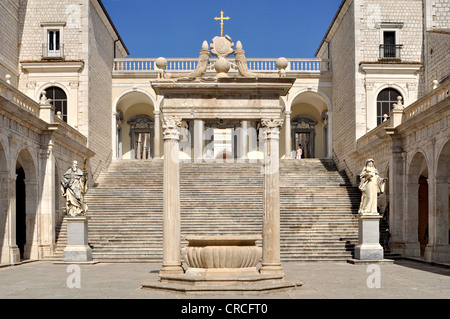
[[371, 184], [73, 187]]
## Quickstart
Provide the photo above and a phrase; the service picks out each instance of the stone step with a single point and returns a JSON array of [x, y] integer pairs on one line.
[[317, 210]]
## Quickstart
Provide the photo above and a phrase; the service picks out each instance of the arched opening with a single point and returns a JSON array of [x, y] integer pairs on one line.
[[58, 100], [26, 195], [135, 126], [304, 134], [422, 229], [21, 234], [385, 102], [309, 120], [417, 220]]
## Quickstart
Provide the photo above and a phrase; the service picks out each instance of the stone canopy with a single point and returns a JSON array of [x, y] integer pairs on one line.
[[226, 97]]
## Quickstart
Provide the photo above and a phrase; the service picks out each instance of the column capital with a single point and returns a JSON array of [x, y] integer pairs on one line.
[[171, 128], [272, 123], [271, 128]]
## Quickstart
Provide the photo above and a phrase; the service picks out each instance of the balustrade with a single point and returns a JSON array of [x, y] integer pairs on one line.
[[190, 64]]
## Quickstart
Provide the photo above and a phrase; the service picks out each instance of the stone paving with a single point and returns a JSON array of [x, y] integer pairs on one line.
[[404, 279]]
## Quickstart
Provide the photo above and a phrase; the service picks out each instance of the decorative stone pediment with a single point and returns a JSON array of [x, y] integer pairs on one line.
[[303, 122], [141, 121]]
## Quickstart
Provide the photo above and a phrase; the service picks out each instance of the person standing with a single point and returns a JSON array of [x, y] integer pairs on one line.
[[299, 152]]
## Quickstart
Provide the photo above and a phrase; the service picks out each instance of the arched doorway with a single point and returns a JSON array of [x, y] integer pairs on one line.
[[309, 121], [416, 222], [304, 134], [141, 136], [135, 126], [21, 234], [26, 205], [422, 229]]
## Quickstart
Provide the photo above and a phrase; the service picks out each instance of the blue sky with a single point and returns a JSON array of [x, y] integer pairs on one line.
[[266, 28]]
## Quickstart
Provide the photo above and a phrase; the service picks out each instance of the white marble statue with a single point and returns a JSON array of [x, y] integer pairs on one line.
[[371, 184], [73, 187]]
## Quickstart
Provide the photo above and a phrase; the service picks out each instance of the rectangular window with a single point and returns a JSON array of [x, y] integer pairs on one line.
[[389, 44], [53, 41]]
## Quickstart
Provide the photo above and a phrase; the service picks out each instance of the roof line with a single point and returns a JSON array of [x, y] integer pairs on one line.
[[331, 25], [113, 26]]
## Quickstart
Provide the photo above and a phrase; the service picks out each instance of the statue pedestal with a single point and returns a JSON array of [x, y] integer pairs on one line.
[[77, 249], [369, 247]]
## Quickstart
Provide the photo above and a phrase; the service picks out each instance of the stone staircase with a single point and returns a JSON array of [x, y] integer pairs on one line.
[[318, 208]]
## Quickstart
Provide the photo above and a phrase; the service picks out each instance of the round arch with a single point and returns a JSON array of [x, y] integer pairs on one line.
[[123, 95], [45, 86], [26, 198], [317, 139], [440, 234], [391, 86], [417, 196], [127, 139], [319, 93]]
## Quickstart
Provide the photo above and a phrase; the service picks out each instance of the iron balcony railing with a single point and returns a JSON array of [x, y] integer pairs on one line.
[[390, 51], [52, 51]]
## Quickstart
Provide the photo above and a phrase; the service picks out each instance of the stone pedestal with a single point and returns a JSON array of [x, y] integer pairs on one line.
[[77, 249], [369, 247]]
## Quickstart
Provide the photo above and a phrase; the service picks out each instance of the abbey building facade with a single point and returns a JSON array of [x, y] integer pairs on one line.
[[377, 88]]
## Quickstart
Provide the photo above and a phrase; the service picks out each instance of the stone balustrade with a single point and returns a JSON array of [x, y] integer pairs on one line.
[[428, 100], [190, 64], [18, 98]]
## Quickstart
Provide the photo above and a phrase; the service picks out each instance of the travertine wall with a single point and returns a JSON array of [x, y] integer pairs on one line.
[[101, 55], [35, 16], [437, 57], [87, 37], [378, 15], [342, 48], [439, 14], [9, 33]]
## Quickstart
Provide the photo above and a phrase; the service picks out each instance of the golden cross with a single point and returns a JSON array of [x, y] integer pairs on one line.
[[221, 22]]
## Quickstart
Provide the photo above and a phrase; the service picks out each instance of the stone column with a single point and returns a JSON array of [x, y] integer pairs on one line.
[[271, 262], [438, 249], [157, 136], [47, 215], [171, 205], [288, 138], [198, 140], [9, 253], [243, 144], [252, 138], [397, 195], [13, 251], [32, 192]]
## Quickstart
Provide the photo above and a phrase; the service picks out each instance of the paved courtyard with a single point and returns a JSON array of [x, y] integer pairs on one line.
[[405, 279]]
